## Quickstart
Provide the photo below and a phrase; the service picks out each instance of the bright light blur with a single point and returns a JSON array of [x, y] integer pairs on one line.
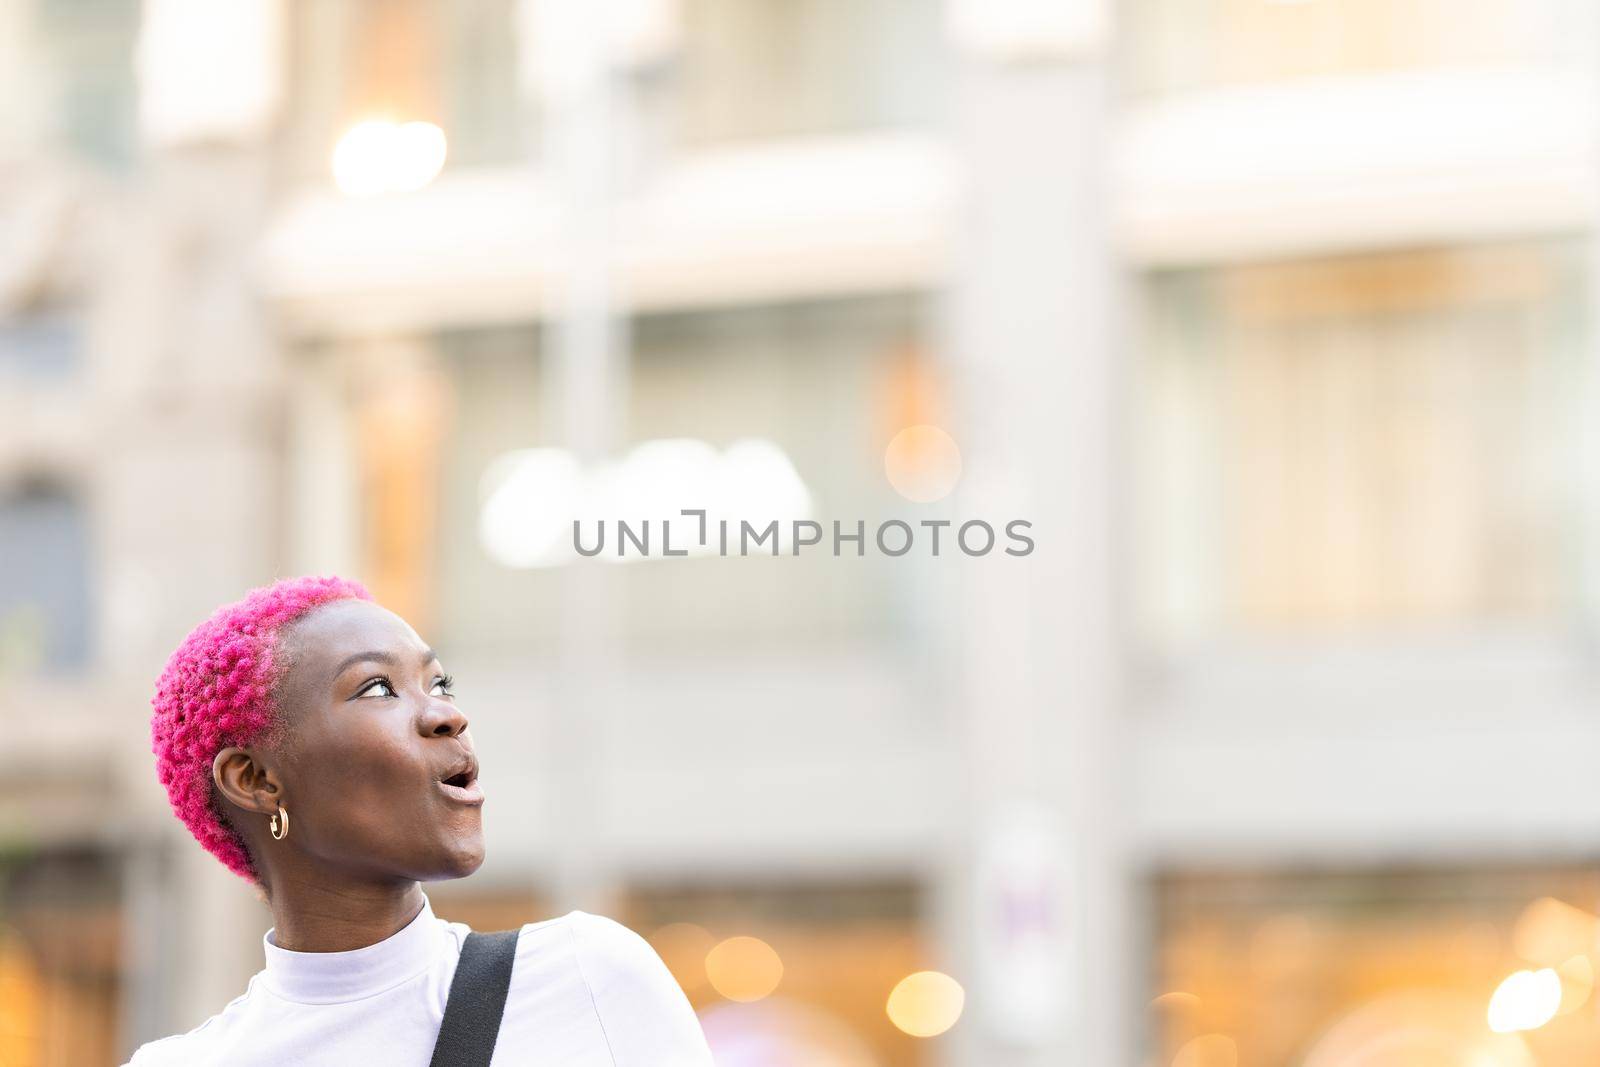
[[1577, 983], [926, 1004], [382, 156], [683, 947], [532, 497], [744, 968], [1526, 1000], [1414, 1028], [923, 464], [1550, 931]]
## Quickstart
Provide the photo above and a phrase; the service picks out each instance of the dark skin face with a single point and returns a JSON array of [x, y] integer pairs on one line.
[[375, 767]]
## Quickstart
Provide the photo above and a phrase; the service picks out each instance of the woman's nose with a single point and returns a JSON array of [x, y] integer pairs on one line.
[[441, 718]]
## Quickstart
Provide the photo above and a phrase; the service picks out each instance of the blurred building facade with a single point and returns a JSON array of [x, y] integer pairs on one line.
[[1272, 318]]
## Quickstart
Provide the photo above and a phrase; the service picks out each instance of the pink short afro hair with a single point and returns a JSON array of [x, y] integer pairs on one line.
[[218, 690]]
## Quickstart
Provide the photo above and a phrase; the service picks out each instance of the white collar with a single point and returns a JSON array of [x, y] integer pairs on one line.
[[339, 977]]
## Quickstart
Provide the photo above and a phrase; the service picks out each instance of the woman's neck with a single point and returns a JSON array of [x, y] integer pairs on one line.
[[313, 916]]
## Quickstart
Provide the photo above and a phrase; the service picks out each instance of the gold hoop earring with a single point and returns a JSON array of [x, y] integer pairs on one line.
[[278, 825]]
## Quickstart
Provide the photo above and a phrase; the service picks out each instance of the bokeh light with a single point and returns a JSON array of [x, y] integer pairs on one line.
[[683, 948], [923, 463], [531, 497], [926, 1004], [1550, 931], [1526, 1000], [381, 156], [744, 968], [1577, 983], [1413, 1028]]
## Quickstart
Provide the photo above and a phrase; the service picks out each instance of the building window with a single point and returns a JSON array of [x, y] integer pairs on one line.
[[1380, 967], [821, 383], [821, 386], [86, 83], [1380, 440], [450, 64], [44, 581], [775, 68], [1179, 45]]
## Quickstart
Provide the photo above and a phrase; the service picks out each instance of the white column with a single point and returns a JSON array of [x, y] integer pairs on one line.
[[186, 382], [1038, 888], [584, 378]]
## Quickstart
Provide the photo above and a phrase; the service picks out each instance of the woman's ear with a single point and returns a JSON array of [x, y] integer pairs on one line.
[[244, 782]]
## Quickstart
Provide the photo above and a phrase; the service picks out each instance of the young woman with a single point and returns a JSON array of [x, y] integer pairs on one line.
[[309, 739]]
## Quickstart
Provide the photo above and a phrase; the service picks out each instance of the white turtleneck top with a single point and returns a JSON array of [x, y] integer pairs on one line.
[[585, 992]]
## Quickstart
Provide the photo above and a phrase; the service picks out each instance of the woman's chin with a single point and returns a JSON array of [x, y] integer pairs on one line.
[[463, 859]]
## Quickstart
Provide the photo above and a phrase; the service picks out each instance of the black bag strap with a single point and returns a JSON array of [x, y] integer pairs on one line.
[[477, 1001]]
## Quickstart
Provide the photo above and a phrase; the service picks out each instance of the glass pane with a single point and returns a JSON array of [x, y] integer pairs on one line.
[[44, 582], [88, 88], [451, 64], [496, 396], [1382, 439], [1392, 968], [1176, 45], [816, 385], [482, 113], [817, 381], [766, 68]]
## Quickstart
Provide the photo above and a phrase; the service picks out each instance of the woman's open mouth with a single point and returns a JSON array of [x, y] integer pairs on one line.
[[461, 783]]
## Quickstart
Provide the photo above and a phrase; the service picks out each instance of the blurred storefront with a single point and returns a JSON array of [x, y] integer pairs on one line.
[[1274, 319]]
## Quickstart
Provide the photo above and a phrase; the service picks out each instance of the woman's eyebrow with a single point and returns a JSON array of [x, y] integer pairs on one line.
[[427, 657], [362, 657]]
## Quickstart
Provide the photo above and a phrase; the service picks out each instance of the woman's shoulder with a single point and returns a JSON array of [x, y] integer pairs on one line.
[[604, 952], [605, 939], [623, 984]]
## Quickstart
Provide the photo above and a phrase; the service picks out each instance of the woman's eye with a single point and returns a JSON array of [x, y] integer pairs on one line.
[[444, 687], [378, 687]]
